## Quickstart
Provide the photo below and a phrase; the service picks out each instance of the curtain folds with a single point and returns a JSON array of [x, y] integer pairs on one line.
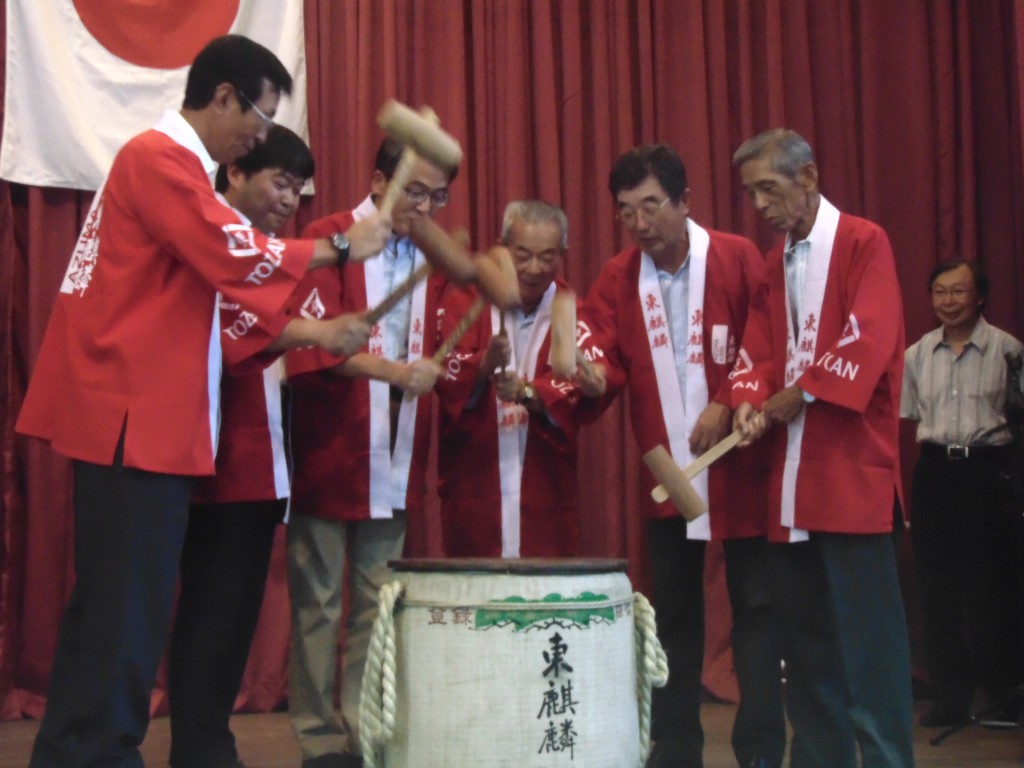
[[914, 110]]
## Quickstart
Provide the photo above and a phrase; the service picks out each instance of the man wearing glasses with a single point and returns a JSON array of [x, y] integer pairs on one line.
[[126, 385], [669, 312], [965, 533], [360, 438], [507, 444]]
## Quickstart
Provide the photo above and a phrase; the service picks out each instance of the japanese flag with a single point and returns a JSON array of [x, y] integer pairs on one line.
[[84, 76]]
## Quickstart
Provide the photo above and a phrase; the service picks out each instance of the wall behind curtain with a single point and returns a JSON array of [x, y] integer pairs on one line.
[[914, 109]]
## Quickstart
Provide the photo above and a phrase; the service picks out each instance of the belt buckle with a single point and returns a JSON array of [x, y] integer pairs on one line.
[[957, 452]]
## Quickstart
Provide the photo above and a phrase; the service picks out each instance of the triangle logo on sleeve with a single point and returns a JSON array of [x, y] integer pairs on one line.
[[851, 332], [313, 308]]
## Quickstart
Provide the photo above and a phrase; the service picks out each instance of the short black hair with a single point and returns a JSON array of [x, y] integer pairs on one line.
[[283, 150], [977, 272], [389, 153], [658, 160], [237, 60]]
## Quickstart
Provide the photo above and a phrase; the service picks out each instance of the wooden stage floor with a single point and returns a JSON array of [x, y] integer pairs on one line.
[[266, 741]]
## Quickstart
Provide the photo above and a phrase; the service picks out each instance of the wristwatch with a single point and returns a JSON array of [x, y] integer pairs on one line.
[[528, 393], [341, 244]]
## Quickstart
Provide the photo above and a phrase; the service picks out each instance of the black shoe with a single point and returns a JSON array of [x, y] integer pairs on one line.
[[665, 754], [942, 716], [762, 762], [1002, 716]]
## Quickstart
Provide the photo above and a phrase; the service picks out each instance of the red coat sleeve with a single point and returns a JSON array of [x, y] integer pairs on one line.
[[848, 372], [238, 260]]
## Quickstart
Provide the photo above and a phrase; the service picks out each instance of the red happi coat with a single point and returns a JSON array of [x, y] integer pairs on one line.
[[250, 464], [469, 464], [613, 307], [331, 419], [836, 469], [132, 341]]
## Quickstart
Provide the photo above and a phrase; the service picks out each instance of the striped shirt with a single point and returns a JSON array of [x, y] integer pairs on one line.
[[959, 400]]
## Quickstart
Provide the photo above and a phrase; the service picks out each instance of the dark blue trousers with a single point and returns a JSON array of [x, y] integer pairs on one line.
[[847, 655], [129, 529]]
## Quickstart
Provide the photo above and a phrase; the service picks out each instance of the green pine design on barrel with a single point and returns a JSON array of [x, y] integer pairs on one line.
[[555, 607]]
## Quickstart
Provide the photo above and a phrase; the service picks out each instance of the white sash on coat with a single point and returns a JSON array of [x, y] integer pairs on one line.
[[680, 414], [389, 471], [514, 422], [800, 347]]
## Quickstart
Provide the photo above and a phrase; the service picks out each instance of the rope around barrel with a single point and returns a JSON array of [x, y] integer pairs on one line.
[[651, 665], [377, 702]]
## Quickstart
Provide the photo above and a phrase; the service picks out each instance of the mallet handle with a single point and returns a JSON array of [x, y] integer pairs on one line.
[[397, 182], [702, 462], [375, 314], [459, 331]]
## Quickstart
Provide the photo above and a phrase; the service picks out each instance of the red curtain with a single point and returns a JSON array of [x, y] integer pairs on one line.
[[914, 109]]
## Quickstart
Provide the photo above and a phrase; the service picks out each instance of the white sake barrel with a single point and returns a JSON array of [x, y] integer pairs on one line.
[[527, 663]]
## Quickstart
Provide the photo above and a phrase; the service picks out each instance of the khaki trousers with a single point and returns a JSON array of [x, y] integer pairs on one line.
[[317, 553]]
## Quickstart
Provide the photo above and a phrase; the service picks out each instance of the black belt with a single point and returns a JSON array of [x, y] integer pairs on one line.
[[962, 452]]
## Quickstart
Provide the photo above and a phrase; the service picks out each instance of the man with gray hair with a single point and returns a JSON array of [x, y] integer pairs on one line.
[[818, 375], [507, 446]]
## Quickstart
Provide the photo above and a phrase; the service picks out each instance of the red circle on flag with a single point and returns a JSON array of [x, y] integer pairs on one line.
[[165, 34]]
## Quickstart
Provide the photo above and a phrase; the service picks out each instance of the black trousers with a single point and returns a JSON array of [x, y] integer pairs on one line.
[[966, 539], [129, 530], [759, 729], [677, 570], [223, 573], [677, 565]]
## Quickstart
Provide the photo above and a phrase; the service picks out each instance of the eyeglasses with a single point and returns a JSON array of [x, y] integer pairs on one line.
[[268, 122], [957, 293], [649, 210], [418, 194]]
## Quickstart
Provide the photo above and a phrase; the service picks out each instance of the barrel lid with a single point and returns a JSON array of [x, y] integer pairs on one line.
[[513, 565]]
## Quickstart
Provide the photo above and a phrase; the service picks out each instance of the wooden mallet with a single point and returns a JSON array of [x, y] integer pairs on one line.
[[448, 255], [674, 483], [422, 137], [494, 280], [565, 355]]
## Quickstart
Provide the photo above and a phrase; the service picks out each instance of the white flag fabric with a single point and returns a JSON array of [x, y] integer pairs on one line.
[[84, 76]]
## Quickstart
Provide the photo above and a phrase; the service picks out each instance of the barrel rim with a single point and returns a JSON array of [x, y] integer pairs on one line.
[[515, 566]]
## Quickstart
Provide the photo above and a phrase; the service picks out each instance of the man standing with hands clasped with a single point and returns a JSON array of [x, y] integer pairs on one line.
[[822, 357], [966, 527]]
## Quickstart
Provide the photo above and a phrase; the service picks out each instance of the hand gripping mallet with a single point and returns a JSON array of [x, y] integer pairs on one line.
[[675, 482]]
